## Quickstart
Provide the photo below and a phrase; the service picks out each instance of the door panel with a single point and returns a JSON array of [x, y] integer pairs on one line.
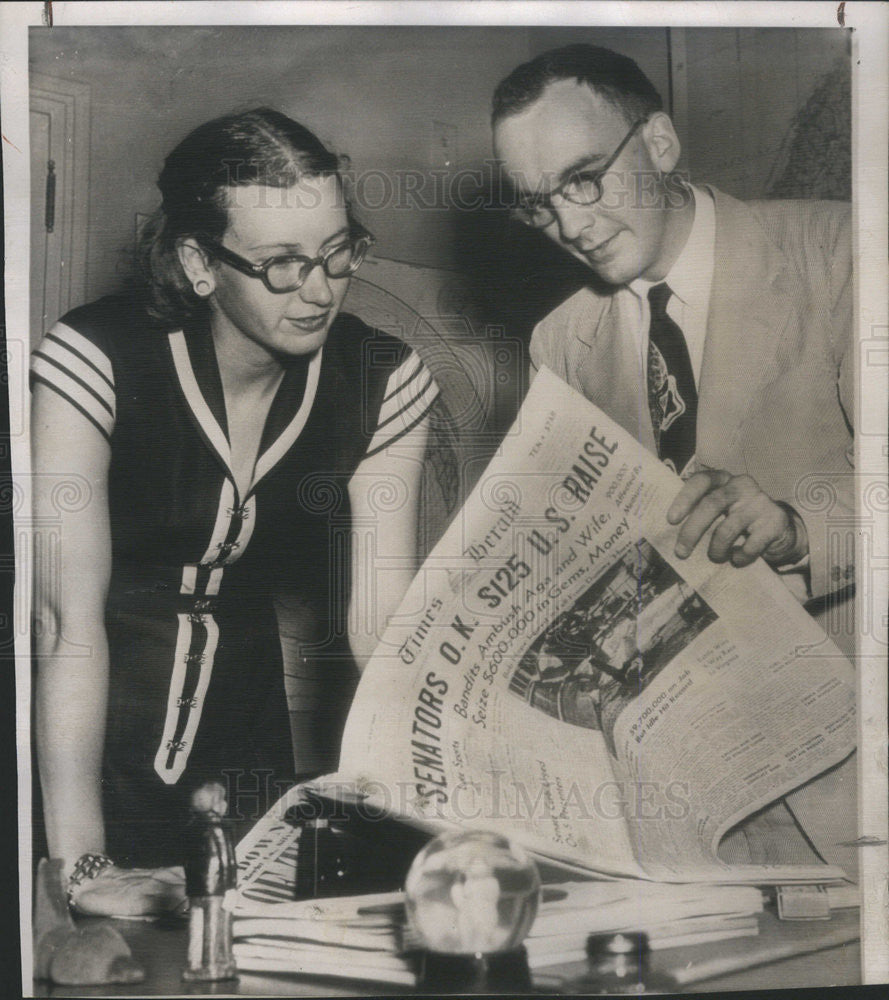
[[47, 223], [59, 127]]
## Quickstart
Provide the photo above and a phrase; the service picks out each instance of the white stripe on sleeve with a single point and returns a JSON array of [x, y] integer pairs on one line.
[[410, 393], [80, 372]]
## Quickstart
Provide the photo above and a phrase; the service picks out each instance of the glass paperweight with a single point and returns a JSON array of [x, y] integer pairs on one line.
[[472, 893]]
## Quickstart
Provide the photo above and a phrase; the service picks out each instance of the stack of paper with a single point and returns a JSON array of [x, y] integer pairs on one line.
[[354, 937], [671, 915], [363, 937]]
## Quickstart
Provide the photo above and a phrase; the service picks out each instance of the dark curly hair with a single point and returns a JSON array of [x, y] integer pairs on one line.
[[261, 146], [614, 77]]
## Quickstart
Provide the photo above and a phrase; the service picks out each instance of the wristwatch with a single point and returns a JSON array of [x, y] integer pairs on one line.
[[86, 867]]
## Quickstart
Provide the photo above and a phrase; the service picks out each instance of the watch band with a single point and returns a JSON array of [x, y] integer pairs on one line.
[[86, 867]]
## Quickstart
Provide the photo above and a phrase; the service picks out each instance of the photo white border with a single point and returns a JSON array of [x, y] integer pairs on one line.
[[870, 170]]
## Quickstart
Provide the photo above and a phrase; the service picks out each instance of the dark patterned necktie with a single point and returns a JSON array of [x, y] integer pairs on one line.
[[672, 396]]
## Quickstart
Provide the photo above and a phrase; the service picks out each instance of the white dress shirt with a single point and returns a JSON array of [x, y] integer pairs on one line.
[[690, 279]]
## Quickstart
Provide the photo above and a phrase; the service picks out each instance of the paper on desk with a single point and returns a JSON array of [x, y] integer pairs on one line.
[[281, 954], [605, 906], [325, 932], [362, 907], [574, 932], [360, 937], [261, 955]]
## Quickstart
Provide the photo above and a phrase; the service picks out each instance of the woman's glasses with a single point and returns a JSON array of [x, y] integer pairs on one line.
[[288, 272], [582, 188]]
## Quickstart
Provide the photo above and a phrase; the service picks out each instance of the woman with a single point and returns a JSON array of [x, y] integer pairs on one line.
[[226, 439]]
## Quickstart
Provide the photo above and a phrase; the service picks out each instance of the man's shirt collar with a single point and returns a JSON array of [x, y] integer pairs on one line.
[[691, 275]]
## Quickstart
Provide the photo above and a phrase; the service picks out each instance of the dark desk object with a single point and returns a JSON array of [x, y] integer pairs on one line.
[[346, 849], [500, 972], [621, 964], [161, 947]]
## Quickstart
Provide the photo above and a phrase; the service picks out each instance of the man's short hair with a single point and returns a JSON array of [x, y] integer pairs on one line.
[[614, 77]]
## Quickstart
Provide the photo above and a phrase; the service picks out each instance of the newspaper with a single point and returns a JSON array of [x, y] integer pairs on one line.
[[555, 673]]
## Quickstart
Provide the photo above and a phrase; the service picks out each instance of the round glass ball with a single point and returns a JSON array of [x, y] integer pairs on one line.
[[472, 892]]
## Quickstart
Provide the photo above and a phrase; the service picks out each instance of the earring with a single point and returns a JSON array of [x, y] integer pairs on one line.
[[202, 287]]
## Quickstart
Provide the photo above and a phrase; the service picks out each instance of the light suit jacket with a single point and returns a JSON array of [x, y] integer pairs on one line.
[[776, 388], [776, 401]]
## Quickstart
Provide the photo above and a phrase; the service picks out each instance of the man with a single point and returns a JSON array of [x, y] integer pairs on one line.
[[717, 333]]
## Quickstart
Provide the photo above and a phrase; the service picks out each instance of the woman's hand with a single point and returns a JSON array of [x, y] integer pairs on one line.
[[132, 892]]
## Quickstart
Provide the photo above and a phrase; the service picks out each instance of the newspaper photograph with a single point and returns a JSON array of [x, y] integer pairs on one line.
[[554, 671]]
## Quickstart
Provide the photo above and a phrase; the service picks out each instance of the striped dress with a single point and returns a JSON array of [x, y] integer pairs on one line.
[[207, 586]]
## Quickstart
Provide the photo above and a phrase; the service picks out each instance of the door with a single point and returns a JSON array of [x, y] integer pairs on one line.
[[46, 237], [59, 133]]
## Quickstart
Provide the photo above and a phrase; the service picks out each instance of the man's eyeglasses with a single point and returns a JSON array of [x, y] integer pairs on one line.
[[582, 188], [288, 272]]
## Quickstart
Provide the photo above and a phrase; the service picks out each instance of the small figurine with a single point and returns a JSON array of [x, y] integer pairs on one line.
[[211, 878]]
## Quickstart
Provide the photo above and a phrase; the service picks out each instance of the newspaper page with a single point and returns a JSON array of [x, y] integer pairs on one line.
[[557, 673]]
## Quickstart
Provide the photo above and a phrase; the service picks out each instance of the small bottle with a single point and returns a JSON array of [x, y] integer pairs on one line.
[[618, 964], [211, 878]]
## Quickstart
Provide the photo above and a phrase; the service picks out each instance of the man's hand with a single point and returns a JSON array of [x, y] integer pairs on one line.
[[752, 524], [132, 892]]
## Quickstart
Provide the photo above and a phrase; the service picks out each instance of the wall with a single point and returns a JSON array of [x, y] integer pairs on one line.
[[373, 93], [745, 86]]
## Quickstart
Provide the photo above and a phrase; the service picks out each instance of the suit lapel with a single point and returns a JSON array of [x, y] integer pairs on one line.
[[606, 366], [750, 303]]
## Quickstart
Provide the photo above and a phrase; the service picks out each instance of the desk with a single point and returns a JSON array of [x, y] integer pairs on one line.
[[161, 948]]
